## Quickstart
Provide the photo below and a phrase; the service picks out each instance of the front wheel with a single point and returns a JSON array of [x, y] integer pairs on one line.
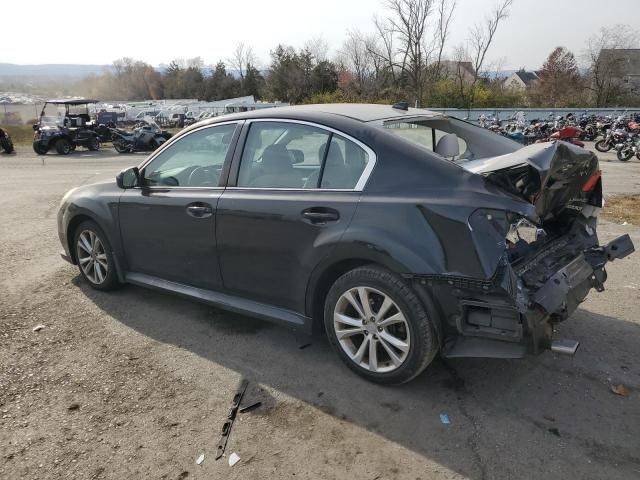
[[378, 326], [120, 147], [603, 146], [94, 256], [624, 154], [40, 149]]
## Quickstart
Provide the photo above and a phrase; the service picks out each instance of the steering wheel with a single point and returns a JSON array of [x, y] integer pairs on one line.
[[204, 177]]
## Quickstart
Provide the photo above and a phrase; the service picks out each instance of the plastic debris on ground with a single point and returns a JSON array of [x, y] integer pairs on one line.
[[444, 418], [200, 459], [37, 328], [620, 389], [233, 459]]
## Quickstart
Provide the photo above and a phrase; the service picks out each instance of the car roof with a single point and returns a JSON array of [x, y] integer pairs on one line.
[[75, 101], [358, 111]]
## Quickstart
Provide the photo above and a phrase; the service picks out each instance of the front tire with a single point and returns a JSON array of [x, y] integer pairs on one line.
[[603, 146], [120, 147], [379, 326], [94, 256], [624, 154], [39, 149]]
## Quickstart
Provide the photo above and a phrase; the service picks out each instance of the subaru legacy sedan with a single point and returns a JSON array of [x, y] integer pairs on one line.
[[403, 233]]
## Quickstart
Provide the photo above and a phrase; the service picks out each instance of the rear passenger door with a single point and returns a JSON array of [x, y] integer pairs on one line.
[[292, 191]]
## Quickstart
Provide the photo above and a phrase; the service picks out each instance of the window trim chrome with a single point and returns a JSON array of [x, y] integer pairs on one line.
[[360, 184]]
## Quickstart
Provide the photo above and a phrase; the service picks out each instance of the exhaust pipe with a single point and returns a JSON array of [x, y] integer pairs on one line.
[[565, 346]]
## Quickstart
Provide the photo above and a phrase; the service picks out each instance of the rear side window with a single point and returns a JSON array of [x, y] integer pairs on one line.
[[299, 156], [344, 164]]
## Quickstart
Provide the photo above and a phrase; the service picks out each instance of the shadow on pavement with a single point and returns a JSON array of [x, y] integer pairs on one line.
[[541, 417]]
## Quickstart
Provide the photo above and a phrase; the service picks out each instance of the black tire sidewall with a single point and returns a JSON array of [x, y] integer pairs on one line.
[[60, 144], [423, 347], [111, 280]]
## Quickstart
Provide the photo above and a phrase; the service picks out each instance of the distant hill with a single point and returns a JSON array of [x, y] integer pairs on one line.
[[53, 70]]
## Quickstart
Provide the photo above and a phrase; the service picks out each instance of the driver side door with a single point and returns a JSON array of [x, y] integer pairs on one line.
[[167, 224]]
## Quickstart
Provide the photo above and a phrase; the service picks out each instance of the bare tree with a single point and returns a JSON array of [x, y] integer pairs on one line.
[[482, 36], [318, 47], [385, 53], [603, 64], [242, 56], [358, 58], [409, 22], [445, 15]]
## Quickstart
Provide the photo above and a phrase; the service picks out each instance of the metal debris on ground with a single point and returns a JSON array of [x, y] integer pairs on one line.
[[306, 345], [73, 406], [233, 411], [444, 418], [620, 389], [37, 328], [248, 408], [200, 459], [233, 459]]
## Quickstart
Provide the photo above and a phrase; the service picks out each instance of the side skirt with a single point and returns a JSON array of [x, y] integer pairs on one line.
[[281, 316]]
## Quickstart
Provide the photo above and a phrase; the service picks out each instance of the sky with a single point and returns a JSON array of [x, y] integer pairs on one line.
[[88, 32]]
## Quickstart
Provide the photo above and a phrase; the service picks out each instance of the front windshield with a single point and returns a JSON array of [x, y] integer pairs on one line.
[[473, 142], [54, 115]]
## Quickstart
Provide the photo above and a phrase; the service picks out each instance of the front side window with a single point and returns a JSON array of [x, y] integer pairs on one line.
[[297, 156], [195, 160]]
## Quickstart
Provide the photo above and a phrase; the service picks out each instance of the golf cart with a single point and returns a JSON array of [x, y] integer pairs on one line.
[[65, 125]]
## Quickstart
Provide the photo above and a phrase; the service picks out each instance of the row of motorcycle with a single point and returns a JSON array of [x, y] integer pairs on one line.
[[620, 133]]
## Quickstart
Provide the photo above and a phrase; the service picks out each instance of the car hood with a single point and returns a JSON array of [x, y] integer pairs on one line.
[[550, 175]]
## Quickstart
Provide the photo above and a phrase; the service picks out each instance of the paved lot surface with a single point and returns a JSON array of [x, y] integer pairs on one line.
[[136, 384]]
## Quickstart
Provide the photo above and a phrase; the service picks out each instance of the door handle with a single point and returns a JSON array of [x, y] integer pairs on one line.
[[199, 210], [320, 215]]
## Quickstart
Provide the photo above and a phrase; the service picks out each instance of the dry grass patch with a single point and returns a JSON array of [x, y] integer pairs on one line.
[[623, 208]]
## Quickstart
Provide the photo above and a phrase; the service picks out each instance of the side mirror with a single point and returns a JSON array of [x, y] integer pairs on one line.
[[128, 178]]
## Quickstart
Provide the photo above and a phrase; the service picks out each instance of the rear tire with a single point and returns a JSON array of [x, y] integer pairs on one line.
[[603, 146], [396, 342], [94, 256], [7, 145], [63, 147]]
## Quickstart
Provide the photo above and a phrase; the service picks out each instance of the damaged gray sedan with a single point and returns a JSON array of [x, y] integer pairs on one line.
[[401, 232]]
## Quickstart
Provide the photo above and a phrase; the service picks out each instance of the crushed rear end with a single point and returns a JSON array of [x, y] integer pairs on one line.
[[546, 261]]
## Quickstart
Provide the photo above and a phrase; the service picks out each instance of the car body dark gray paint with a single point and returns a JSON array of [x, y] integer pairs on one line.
[[413, 217]]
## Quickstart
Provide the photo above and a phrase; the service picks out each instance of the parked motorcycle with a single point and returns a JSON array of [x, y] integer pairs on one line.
[[629, 148], [566, 134], [5, 142], [612, 138], [145, 138]]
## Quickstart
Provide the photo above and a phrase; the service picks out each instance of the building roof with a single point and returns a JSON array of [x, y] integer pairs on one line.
[[74, 101], [526, 77]]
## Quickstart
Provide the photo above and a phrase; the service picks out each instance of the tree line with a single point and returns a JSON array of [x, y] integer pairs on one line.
[[405, 56]]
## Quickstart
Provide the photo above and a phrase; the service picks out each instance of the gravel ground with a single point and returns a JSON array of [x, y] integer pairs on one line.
[[136, 384]]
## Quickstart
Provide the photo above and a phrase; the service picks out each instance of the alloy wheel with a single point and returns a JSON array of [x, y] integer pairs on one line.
[[92, 257], [371, 329]]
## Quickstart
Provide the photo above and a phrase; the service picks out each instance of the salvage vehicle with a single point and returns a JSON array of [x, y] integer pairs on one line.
[[65, 125], [145, 138], [5, 142], [402, 232]]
